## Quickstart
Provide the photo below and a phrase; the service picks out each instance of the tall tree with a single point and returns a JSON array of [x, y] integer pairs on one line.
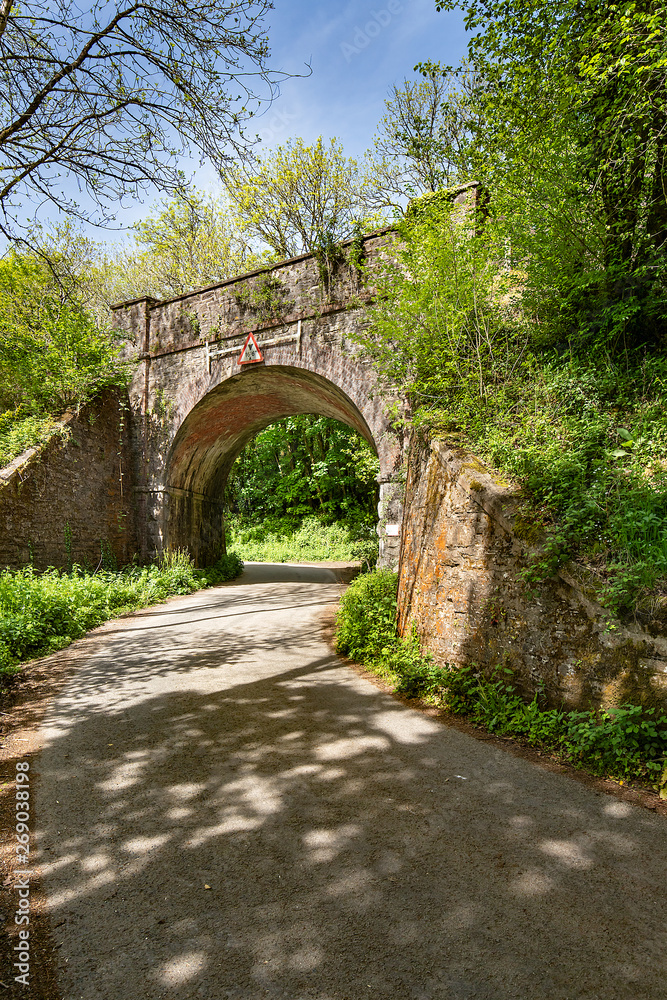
[[105, 99], [576, 102], [424, 137], [294, 195], [192, 241]]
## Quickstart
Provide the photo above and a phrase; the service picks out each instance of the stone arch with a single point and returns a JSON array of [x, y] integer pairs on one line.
[[219, 426], [193, 407]]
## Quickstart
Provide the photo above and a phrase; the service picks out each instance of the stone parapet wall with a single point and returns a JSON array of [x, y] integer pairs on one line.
[[72, 498], [460, 585]]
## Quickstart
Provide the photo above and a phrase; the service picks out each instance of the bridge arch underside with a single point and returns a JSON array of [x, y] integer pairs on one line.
[[216, 430]]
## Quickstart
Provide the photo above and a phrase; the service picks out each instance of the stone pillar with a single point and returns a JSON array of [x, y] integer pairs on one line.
[[390, 512], [134, 319]]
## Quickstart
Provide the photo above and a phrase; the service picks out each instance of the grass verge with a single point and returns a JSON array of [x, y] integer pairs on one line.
[[313, 541], [628, 743], [44, 612], [18, 433]]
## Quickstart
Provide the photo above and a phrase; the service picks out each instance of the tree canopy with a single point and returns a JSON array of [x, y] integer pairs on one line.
[[99, 103], [292, 196], [192, 241], [575, 112], [52, 354], [424, 136]]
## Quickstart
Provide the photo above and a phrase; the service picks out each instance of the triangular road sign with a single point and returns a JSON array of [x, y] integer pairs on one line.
[[250, 352]]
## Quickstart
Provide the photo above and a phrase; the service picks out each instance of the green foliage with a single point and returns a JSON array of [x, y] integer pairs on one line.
[[572, 139], [293, 194], [367, 616], [446, 323], [356, 254], [265, 295], [228, 567], [193, 240], [52, 355], [581, 430], [424, 136], [329, 256], [313, 541], [44, 612], [301, 466], [19, 431], [627, 742]]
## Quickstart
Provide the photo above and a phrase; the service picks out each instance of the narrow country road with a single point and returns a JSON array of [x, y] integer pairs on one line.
[[226, 811]]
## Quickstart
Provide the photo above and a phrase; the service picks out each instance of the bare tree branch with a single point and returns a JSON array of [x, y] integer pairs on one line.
[[104, 101]]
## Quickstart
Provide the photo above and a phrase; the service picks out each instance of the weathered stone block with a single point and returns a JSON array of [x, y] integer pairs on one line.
[[460, 584]]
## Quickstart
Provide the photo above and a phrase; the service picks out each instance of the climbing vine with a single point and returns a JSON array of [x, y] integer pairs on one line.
[[266, 296], [356, 255], [329, 256]]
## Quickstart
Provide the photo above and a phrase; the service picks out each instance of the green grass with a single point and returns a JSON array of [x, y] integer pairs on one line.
[[627, 742], [18, 433], [43, 612], [311, 542]]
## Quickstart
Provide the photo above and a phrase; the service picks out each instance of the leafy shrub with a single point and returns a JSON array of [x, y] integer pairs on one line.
[[228, 567], [624, 742], [367, 616], [44, 612]]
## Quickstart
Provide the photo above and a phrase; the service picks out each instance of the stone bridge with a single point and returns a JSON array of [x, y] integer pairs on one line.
[[194, 406]]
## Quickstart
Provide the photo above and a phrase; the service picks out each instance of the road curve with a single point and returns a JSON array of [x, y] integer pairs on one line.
[[226, 811]]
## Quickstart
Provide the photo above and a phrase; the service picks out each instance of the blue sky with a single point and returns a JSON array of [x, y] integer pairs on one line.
[[357, 51]]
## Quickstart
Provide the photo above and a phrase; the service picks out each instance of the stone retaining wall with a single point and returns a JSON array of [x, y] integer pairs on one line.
[[460, 585], [71, 498]]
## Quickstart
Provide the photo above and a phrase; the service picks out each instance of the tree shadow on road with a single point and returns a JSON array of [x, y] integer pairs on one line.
[[295, 833]]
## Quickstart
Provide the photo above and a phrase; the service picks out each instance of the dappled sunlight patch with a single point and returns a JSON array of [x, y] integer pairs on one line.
[[404, 729], [325, 845], [346, 748], [532, 883], [65, 896], [257, 794], [358, 885], [331, 774], [567, 852], [179, 813], [124, 776], [308, 958], [616, 809], [186, 790], [96, 861], [459, 920], [64, 862], [234, 824], [182, 968], [521, 823], [144, 845]]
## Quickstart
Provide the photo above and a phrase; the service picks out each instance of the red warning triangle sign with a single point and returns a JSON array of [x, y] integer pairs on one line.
[[250, 352]]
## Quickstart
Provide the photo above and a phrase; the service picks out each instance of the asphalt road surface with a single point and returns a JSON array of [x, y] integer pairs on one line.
[[227, 811]]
